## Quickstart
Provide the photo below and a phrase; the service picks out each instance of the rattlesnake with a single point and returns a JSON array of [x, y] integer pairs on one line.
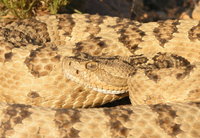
[[43, 67]]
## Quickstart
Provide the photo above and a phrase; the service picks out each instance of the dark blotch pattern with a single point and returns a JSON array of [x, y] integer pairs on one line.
[[166, 119], [197, 104], [33, 94], [65, 119], [42, 60], [14, 114], [167, 60], [23, 32], [117, 116], [137, 60], [194, 33], [66, 24], [130, 34], [164, 32], [8, 56], [93, 46], [95, 20]]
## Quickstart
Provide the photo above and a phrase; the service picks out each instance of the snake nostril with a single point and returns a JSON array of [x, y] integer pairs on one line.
[[69, 63]]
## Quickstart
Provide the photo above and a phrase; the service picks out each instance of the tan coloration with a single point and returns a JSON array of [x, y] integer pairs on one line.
[[166, 121], [22, 32], [36, 51], [82, 68], [154, 65], [12, 117], [164, 32], [168, 88], [163, 78], [194, 33], [128, 31], [5, 52], [47, 56], [53, 88], [31, 61], [66, 25], [96, 46], [65, 120]]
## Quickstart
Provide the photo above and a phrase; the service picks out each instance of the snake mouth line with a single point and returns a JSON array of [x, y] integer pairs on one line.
[[108, 91], [105, 91]]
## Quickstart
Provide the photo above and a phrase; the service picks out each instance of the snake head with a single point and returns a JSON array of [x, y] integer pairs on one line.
[[108, 75]]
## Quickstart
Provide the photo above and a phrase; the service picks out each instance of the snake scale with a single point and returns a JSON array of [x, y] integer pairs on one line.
[[80, 60]]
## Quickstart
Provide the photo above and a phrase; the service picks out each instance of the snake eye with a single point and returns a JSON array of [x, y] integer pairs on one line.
[[91, 65]]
